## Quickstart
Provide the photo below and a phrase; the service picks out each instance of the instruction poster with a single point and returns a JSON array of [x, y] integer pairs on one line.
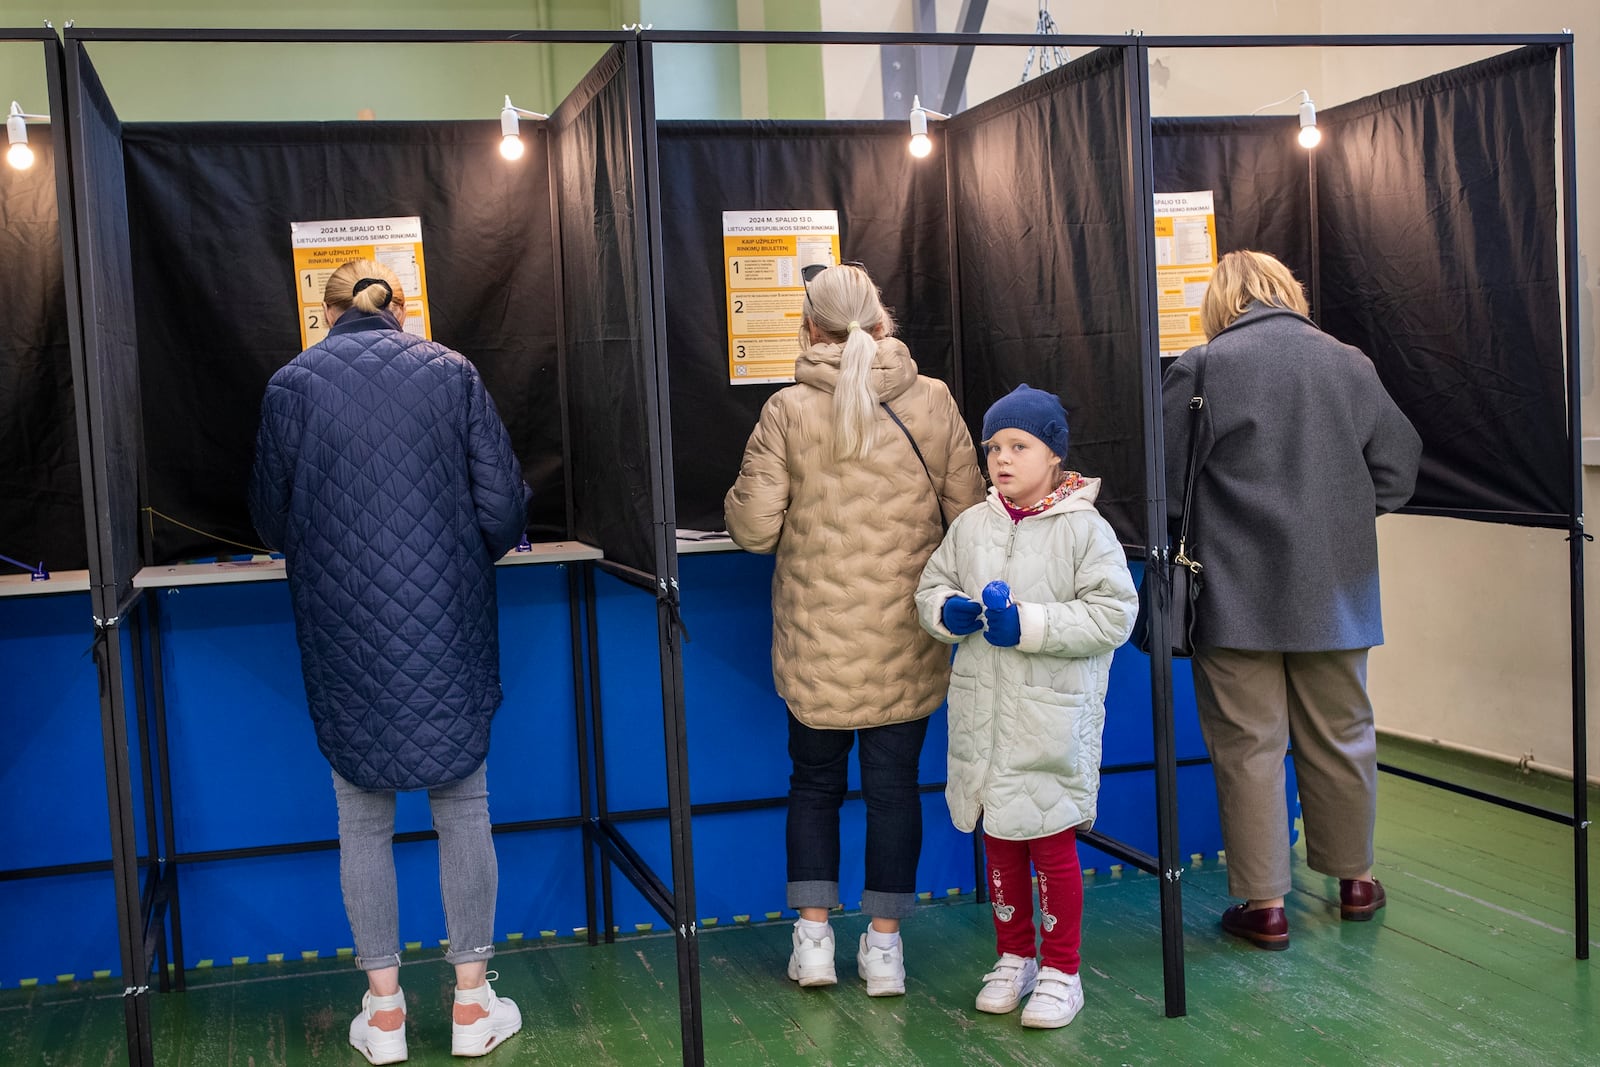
[[320, 248], [764, 252], [1186, 254]]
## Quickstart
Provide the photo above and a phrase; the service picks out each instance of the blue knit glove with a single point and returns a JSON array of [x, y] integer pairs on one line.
[[1002, 625], [960, 616]]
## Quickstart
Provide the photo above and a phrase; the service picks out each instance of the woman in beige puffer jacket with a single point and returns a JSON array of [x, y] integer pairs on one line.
[[832, 485]]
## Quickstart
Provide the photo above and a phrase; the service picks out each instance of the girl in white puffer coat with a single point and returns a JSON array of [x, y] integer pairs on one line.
[[1034, 587]]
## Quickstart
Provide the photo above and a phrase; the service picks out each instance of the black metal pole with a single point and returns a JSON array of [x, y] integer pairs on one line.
[[1316, 235], [578, 610], [169, 834], [958, 371], [1575, 534], [1141, 236], [669, 626], [124, 845]]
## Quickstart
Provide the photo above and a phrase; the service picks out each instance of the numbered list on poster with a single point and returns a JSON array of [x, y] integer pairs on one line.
[[765, 253], [1186, 254], [320, 248]]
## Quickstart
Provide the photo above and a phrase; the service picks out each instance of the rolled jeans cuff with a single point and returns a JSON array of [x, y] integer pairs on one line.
[[469, 955], [880, 905], [813, 895], [378, 963]]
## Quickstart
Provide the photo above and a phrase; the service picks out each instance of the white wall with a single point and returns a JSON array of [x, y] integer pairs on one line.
[[1476, 614]]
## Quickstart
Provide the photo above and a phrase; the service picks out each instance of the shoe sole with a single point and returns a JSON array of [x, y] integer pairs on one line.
[[997, 1009], [494, 1040], [1270, 942], [380, 1057], [882, 989], [811, 981], [993, 1009], [1359, 914], [1047, 1024]]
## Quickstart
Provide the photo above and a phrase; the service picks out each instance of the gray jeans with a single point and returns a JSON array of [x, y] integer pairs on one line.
[[468, 872]]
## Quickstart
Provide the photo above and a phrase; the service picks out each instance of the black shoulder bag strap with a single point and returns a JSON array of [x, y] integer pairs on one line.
[[1196, 403], [938, 502]]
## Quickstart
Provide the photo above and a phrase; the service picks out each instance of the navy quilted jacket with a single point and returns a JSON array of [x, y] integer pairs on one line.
[[386, 477]]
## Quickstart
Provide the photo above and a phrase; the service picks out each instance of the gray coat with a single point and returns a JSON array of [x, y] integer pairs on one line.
[[1300, 448]]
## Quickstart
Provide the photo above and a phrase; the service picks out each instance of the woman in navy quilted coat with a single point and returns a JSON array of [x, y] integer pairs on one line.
[[386, 477]]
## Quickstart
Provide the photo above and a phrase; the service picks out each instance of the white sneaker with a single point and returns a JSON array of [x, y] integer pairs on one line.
[[485, 1035], [1004, 987], [379, 1046], [883, 969], [811, 960], [1056, 1000]]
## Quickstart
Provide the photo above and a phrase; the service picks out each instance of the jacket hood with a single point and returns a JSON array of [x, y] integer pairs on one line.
[[893, 369]]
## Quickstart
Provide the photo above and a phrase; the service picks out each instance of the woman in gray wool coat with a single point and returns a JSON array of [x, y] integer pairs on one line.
[[1298, 449]]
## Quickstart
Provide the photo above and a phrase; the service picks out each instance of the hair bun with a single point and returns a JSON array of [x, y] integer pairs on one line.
[[364, 283]]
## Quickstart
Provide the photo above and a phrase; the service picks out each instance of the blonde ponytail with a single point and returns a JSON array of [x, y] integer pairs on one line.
[[844, 307]]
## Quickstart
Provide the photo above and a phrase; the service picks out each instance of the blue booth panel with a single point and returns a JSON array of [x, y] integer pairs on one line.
[[246, 772], [53, 794], [738, 748]]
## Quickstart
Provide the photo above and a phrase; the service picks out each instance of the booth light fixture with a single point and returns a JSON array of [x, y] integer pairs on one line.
[[1310, 136], [921, 145], [18, 154], [510, 142]]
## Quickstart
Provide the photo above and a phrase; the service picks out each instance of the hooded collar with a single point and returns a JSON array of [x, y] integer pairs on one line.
[[1080, 499], [356, 321], [893, 369]]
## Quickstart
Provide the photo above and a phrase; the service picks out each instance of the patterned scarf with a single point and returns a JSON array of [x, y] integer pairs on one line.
[[1071, 482]]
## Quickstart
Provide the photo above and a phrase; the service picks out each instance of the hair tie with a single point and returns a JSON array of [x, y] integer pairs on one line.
[[854, 326], [388, 293]]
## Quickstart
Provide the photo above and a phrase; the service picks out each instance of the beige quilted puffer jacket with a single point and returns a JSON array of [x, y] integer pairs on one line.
[[852, 538]]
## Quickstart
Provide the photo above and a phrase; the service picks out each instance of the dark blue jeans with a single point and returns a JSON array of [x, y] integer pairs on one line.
[[889, 756]]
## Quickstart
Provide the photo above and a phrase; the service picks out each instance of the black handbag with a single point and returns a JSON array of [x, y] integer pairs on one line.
[[1177, 583]]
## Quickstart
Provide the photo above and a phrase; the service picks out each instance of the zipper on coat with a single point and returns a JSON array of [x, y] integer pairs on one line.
[[994, 716]]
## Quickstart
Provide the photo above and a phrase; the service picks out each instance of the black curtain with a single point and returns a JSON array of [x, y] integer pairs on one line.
[[892, 217], [1258, 174], [610, 370], [1041, 179], [41, 488], [110, 346], [214, 288], [1437, 222]]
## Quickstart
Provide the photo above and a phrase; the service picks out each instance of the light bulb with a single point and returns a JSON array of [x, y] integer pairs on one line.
[[511, 146], [1310, 136], [20, 155], [921, 145]]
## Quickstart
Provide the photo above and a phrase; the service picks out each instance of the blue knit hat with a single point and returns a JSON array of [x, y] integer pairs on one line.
[[1031, 411]]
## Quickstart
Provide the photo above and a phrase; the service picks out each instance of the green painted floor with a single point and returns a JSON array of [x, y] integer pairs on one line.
[[1471, 963]]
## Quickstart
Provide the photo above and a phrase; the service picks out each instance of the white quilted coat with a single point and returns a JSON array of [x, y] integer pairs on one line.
[[1025, 722], [851, 539]]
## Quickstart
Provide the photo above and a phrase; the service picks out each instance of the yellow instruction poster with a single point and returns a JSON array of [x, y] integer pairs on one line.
[[320, 248], [764, 253], [1186, 254]]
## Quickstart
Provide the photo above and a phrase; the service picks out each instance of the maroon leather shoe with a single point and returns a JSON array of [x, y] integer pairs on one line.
[[1264, 927], [1358, 900]]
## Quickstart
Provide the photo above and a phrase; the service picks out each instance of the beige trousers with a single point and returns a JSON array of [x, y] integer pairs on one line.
[[1252, 705]]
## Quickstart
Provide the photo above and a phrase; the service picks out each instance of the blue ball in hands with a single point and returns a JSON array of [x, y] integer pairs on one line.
[[996, 595], [961, 616], [1002, 623]]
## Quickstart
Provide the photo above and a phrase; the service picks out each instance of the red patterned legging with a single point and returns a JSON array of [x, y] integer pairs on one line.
[[1055, 858]]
